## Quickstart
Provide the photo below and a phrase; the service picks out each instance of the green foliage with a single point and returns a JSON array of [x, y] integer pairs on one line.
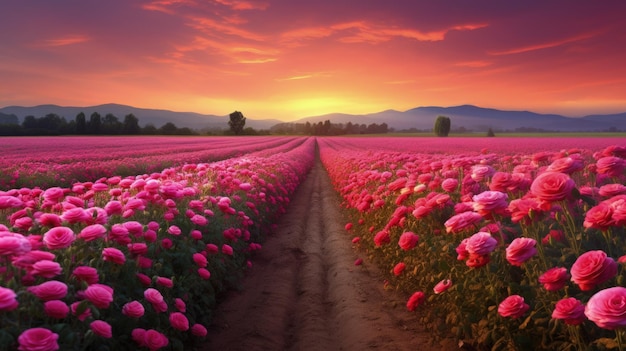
[[442, 126]]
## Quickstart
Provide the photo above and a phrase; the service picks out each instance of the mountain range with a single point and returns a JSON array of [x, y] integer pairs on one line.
[[470, 117]]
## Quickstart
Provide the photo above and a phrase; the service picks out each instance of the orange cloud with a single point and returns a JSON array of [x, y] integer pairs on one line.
[[364, 32], [211, 26], [541, 46], [68, 40], [474, 64], [244, 5]]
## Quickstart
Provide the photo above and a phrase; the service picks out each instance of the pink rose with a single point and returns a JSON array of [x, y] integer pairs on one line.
[[101, 328], [200, 260], [99, 295], [570, 310], [227, 250], [462, 221], [92, 232], [611, 166], [408, 240], [8, 299], [155, 340], [56, 309], [490, 202], [525, 210], [198, 330], [442, 286], [607, 308], [133, 309], [179, 321], [449, 184], [212, 248], [513, 306], [38, 339], [348, 226], [520, 250], [174, 230], [554, 278], [46, 268], [204, 273], [481, 243], [415, 300], [599, 217], [166, 282], [593, 268], [199, 220], [13, 244], [153, 296], [139, 336], [86, 274], [399, 268], [58, 238], [552, 186], [180, 305], [382, 238], [50, 290], [114, 255]]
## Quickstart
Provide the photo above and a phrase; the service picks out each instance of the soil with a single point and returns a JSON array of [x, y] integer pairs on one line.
[[304, 291]]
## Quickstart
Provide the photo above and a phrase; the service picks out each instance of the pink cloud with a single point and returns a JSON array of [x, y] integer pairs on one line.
[[67, 40], [541, 46]]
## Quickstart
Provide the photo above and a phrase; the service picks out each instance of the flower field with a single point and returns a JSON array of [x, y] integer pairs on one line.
[[134, 262], [33, 161], [510, 244], [119, 243]]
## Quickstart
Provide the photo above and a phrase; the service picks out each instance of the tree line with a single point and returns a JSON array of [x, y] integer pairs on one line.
[[53, 124], [329, 128]]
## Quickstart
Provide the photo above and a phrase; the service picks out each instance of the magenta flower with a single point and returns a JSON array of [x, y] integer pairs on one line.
[[99, 295], [46, 268], [513, 307], [133, 309], [113, 255], [520, 250], [408, 240], [552, 186], [38, 339], [178, 321], [415, 300], [607, 308], [593, 268], [8, 299], [481, 243], [554, 278], [50, 290], [92, 232], [56, 309], [86, 274], [58, 238], [101, 328], [399, 268], [570, 310]]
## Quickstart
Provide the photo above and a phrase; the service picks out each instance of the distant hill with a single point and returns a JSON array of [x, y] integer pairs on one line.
[[470, 117], [478, 119], [146, 116]]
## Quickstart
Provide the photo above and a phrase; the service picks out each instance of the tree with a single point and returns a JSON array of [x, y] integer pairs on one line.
[[131, 124], [168, 128], [81, 123], [490, 133], [95, 123], [111, 124], [237, 122], [442, 126]]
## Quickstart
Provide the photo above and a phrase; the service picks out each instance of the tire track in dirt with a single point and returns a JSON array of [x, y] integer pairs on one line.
[[304, 292]]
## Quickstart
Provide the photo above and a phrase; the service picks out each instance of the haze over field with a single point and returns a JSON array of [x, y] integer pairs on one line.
[[283, 59]]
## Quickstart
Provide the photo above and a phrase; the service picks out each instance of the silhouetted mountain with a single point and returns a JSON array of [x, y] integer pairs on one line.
[[478, 119], [146, 116], [470, 117]]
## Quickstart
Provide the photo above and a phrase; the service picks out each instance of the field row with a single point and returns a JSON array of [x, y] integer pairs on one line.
[[62, 161], [137, 262], [509, 246]]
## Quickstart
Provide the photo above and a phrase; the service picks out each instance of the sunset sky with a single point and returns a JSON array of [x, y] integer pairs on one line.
[[288, 59]]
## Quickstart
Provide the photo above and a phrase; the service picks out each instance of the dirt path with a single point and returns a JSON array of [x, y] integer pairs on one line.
[[305, 293]]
